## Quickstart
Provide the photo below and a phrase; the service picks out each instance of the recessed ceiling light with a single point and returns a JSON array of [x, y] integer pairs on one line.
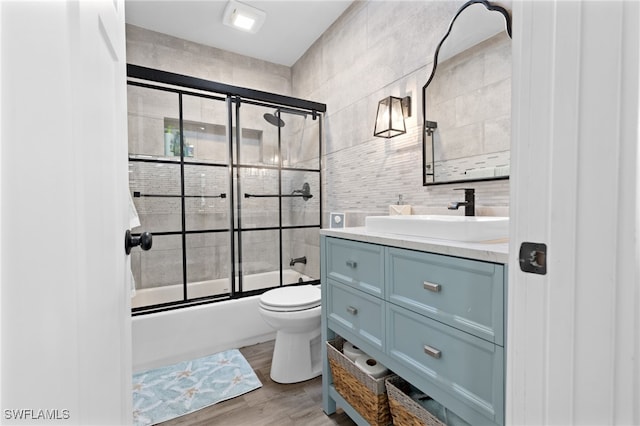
[[243, 17]]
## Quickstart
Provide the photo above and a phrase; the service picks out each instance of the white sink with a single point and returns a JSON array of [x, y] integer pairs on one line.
[[456, 228]]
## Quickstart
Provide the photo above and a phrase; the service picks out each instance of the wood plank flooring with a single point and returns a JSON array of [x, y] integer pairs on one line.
[[272, 404]]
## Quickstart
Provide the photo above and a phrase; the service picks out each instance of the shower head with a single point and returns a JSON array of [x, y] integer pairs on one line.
[[277, 121], [273, 119]]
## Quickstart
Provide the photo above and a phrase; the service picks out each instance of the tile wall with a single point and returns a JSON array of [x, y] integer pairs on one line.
[[157, 50], [208, 254], [376, 49]]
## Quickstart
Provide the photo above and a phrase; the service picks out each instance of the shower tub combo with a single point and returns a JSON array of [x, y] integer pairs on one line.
[[179, 334], [226, 192]]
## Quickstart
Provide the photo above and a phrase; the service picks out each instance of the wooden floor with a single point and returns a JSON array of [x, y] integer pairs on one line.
[[272, 404]]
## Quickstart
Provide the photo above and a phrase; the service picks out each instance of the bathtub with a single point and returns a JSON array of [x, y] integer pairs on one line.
[[181, 334]]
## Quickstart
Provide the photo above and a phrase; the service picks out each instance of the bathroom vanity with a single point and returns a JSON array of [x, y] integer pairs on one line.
[[432, 311]]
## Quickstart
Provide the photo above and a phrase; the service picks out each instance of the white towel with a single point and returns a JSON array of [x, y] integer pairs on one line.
[[134, 221]]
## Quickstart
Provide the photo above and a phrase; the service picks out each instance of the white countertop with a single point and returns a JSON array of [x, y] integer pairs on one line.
[[497, 252]]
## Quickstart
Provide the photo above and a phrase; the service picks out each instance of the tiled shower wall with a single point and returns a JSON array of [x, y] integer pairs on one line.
[[207, 254], [155, 50], [376, 49]]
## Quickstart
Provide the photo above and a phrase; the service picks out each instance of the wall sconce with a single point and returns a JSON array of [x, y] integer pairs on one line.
[[390, 118]]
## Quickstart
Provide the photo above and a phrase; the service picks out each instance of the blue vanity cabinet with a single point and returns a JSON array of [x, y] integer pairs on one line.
[[459, 370], [357, 265], [355, 313], [436, 320], [463, 293]]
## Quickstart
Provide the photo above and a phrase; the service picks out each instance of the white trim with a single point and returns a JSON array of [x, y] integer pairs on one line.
[[573, 351], [1, 203]]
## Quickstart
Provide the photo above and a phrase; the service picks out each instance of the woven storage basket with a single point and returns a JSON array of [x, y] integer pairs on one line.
[[364, 393], [404, 410]]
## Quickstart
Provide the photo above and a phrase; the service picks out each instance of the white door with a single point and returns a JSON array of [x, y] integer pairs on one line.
[[574, 333], [66, 328]]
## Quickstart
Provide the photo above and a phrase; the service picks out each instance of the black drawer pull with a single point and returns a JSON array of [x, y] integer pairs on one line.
[[352, 264], [431, 286], [432, 351], [352, 310]]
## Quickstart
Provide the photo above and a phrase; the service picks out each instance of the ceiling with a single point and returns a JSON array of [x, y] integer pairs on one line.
[[291, 26]]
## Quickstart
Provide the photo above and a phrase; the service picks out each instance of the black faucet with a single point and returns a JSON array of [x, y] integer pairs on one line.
[[305, 192], [302, 260], [469, 202]]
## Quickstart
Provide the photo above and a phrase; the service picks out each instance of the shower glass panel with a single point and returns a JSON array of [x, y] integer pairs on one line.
[[300, 210], [258, 204], [206, 206], [276, 179], [300, 214], [260, 260], [229, 187], [299, 145], [148, 110], [206, 201], [155, 185], [256, 165], [179, 180], [158, 272], [155, 188], [258, 139], [205, 130], [207, 264], [301, 243]]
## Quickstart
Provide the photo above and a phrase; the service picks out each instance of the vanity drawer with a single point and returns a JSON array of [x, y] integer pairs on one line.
[[466, 294], [359, 265], [467, 368], [353, 312]]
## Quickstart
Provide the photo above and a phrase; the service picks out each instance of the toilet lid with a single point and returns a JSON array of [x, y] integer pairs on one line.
[[295, 298]]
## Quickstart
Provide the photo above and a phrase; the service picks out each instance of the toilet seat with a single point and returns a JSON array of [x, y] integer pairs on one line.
[[290, 299]]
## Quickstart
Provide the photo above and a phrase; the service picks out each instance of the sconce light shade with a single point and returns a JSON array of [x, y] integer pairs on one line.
[[390, 118]]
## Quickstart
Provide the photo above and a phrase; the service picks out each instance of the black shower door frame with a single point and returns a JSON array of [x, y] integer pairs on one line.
[[234, 97]]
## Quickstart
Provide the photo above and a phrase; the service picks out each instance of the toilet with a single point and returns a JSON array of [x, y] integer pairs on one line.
[[294, 312]]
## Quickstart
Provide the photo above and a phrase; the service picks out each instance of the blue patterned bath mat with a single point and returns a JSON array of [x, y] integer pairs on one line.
[[172, 391]]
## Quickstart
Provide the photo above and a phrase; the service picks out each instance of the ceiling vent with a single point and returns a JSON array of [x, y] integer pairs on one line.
[[243, 17]]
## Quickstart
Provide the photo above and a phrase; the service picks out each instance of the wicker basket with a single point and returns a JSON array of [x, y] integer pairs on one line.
[[364, 393], [404, 410]]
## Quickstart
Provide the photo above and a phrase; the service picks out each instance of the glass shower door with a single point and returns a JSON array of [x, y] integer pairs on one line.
[[300, 179], [256, 173], [206, 182], [230, 189], [179, 181], [155, 185], [278, 204]]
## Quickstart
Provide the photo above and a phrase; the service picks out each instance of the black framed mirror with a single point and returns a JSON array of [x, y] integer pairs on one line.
[[466, 102]]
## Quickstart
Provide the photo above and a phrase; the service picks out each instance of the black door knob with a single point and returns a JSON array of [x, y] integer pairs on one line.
[[145, 241]]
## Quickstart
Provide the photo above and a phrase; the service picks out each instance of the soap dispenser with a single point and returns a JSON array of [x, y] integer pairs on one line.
[[399, 208]]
